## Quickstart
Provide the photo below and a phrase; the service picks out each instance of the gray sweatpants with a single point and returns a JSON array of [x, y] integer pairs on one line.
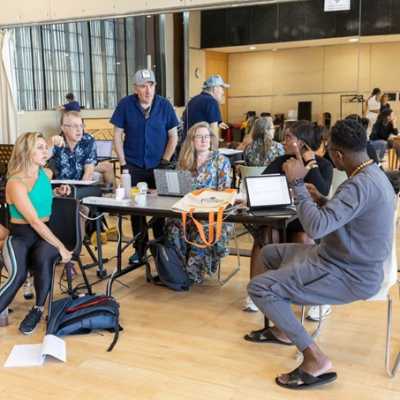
[[294, 277]]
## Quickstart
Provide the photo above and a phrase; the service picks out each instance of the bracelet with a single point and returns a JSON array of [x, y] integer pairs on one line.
[[311, 165], [312, 160]]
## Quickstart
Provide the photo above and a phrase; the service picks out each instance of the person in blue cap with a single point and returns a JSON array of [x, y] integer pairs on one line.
[[205, 107], [149, 123]]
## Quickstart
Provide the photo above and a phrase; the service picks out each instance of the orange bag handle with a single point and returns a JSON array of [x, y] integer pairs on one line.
[[212, 237]]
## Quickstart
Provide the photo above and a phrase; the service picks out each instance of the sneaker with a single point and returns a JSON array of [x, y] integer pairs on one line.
[[27, 289], [135, 259], [313, 312], [30, 322], [249, 305]]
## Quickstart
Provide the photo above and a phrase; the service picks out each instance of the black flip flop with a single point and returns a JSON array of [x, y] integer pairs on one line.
[[299, 379], [264, 336]]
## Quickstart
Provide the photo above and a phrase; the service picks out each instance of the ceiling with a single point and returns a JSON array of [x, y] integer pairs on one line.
[[352, 40]]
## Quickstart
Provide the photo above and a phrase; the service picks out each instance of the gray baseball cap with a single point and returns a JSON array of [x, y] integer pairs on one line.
[[144, 75], [214, 80]]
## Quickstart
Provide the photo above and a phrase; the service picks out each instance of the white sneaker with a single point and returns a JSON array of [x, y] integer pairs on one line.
[[313, 312], [249, 305]]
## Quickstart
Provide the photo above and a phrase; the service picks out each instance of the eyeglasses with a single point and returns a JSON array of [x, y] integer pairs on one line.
[[74, 126], [202, 137]]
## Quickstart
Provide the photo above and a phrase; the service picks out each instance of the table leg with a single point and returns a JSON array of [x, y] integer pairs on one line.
[[101, 271]]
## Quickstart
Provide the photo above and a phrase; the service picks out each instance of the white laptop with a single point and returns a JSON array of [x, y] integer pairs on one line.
[[104, 149], [170, 182], [267, 191]]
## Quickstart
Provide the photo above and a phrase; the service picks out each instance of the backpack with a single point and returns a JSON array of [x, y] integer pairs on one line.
[[71, 316], [170, 267]]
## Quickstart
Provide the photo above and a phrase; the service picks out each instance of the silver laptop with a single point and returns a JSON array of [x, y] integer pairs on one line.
[[104, 149], [170, 182]]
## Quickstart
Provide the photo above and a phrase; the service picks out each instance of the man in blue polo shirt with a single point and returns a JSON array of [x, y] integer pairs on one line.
[[150, 126], [205, 106]]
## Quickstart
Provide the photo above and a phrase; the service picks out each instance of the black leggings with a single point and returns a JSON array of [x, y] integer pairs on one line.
[[24, 249]]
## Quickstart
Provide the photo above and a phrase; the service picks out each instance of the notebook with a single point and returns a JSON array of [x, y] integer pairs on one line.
[[170, 182], [104, 149], [267, 191]]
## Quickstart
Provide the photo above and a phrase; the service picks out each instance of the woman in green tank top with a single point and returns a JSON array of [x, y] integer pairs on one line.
[[31, 242]]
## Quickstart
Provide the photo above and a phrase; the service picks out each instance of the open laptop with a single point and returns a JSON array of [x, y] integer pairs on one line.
[[267, 192], [170, 182], [104, 149]]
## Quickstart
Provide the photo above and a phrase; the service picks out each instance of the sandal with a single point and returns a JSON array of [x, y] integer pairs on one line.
[[299, 379], [264, 336]]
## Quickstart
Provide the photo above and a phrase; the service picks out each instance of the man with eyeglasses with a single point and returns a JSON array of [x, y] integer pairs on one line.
[[74, 153], [149, 124], [355, 232], [77, 158]]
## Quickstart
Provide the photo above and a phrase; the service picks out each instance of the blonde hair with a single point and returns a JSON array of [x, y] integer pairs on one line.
[[187, 156], [21, 157], [262, 130]]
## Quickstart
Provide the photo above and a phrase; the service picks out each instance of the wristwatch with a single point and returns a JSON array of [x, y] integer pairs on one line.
[[297, 182]]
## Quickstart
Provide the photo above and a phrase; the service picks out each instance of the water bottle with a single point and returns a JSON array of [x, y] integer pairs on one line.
[[126, 182], [4, 317]]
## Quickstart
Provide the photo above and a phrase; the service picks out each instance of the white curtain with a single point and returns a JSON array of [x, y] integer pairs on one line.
[[8, 102]]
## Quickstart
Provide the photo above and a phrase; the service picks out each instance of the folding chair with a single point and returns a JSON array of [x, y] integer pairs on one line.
[[65, 224]]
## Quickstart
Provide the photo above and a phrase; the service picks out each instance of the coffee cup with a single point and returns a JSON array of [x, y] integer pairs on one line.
[[140, 199], [142, 186], [119, 193]]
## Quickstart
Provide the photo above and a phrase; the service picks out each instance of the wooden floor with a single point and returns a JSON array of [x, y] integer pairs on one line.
[[190, 346]]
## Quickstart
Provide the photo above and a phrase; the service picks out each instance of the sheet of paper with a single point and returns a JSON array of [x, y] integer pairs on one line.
[[172, 182], [72, 182], [25, 355], [55, 347]]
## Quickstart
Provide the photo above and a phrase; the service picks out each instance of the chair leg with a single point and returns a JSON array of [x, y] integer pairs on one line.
[[85, 278], [391, 371], [237, 268], [50, 296], [317, 330]]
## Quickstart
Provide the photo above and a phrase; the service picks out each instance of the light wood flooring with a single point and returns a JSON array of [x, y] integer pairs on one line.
[[189, 346]]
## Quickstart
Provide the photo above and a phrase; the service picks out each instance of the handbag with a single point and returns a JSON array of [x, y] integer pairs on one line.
[[211, 201]]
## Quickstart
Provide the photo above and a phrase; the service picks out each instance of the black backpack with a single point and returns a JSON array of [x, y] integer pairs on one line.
[[170, 267], [71, 316]]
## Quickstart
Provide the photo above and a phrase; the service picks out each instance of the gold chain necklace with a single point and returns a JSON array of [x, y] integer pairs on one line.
[[360, 167]]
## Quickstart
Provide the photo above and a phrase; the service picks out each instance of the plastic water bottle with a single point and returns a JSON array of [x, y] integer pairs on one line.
[[126, 182], [4, 317]]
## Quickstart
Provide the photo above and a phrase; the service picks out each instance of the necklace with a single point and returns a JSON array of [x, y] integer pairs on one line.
[[361, 167]]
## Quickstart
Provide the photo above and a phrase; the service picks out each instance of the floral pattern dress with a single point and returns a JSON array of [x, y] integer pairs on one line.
[[214, 173], [253, 153]]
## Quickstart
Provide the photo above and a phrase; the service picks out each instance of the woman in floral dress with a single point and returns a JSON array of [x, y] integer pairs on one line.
[[210, 169], [263, 149]]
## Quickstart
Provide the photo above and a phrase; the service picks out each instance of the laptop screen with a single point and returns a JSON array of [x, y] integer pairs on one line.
[[104, 148], [267, 191]]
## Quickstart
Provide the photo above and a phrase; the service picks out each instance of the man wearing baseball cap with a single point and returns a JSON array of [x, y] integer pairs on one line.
[[205, 106], [150, 126]]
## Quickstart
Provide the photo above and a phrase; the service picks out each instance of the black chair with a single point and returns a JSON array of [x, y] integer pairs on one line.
[[65, 224]]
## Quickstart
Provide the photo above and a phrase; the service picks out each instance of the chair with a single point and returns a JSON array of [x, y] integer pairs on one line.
[[389, 280], [393, 160], [337, 179], [65, 224], [250, 171]]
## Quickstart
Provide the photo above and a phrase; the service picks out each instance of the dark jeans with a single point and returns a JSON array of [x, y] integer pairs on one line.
[[139, 224]]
